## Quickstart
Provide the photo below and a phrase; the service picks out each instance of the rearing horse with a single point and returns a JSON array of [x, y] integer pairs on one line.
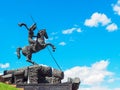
[[39, 45]]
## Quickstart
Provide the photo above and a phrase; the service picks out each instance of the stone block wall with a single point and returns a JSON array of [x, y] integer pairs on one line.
[[33, 75]]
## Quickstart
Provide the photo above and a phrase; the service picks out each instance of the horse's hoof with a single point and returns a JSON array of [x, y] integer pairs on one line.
[[28, 60], [18, 56], [53, 50], [33, 63]]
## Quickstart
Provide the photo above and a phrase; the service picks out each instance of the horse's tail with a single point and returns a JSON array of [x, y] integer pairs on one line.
[[18, 52]]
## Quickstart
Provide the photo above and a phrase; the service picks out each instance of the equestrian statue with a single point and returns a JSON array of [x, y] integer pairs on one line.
[[34, 45]]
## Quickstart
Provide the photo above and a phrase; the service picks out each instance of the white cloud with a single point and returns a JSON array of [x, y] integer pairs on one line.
[[100, 65], [95, 88], [112, 27], [62, 43], [79, 30], [92, 76], [117, 89], [54, 33], [116, 7], [101, 19], [98, 88], [71, 30], [76, 25], [111, 80], [4, 65], [96, 19], [51, 38]]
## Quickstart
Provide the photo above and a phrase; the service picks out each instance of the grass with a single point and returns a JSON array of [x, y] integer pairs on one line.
[[4, 86]]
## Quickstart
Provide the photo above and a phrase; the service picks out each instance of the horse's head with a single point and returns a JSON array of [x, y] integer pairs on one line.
[[43, 33]]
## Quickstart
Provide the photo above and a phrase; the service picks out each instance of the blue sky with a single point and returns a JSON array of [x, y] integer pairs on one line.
[[86, 34]]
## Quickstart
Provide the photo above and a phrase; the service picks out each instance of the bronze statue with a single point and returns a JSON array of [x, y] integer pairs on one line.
[[30, 32], [35, 45]]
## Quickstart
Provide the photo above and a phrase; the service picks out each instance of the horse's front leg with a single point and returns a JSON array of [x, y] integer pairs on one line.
[[53, 47]]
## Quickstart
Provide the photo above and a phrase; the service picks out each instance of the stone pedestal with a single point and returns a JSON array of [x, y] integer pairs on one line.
[[34, 74], [47, 86], [39, 77], [9, 78], [19, 77]]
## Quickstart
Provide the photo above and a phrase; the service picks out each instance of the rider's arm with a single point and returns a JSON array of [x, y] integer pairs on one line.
[[33, 27], [23, 24], [34, 36]]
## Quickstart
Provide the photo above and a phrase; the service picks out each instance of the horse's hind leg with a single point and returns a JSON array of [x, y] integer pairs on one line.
[[29, 59], [29, 56], [18, 52]]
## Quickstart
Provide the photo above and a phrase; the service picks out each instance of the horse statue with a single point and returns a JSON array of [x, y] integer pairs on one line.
[[33, 48]]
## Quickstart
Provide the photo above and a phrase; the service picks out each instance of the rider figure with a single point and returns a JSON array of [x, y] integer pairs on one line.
[[30, 32], [41, 39], [34, 43]]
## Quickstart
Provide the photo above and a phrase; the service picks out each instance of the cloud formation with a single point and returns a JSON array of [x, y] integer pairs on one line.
[[92, 76], [4, 65], [97, 19], [116, 7], [95, 88], [112, 27], [71, 30], [117, 89], [62, 43]]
